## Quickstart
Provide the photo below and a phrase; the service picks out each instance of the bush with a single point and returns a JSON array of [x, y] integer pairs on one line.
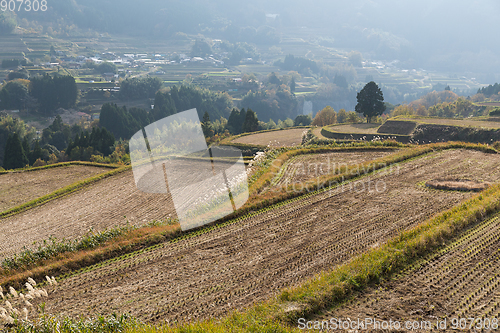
[[39, 162], [495, 112]]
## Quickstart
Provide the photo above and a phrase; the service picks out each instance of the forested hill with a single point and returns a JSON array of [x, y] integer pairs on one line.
[[441, 35]]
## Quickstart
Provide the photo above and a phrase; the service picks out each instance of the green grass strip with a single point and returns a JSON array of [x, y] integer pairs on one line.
[[62, 164]]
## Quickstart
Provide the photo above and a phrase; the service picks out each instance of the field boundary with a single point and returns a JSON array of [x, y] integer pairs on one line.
[[368, 137], [174, 235], [61, 192], [116, 250], [60, 165]]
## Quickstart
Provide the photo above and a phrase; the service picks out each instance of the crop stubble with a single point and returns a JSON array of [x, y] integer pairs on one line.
[[283, 138], [306, 167], [99, 206], [249, 261], [17, 188], [460, 281]]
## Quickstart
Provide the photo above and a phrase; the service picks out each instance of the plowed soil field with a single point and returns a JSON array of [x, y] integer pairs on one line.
[[283, 138], [306, 167], [461, 281], [107, 203], [231, 267], [17, 188]]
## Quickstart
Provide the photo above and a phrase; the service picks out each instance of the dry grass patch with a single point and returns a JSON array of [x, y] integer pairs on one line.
[[456, 184]]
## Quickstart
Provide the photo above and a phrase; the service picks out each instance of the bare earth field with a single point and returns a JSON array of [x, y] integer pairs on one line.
[[455, 122], [461, 281], [283, 138], [249, 261], [356, 128], [101, 205], [307, 167], [17, 188]]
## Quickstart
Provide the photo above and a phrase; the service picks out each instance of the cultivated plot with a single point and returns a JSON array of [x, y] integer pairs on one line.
[[232, 267], [308, 167], [459, 282], [105, 204], [17, 188], [283, 138]]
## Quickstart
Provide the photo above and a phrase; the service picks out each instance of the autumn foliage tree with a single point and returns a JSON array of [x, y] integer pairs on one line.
[[327, 116]]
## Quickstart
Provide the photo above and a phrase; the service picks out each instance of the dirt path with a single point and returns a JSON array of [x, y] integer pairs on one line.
[[317, 133], [17, 188], [232, 267]]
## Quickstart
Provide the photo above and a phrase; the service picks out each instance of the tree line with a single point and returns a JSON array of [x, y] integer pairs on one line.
[[59, 142], [44, 94]]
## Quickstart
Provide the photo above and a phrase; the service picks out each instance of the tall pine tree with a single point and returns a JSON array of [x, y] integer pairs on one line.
[[251, 123], [14, 157]]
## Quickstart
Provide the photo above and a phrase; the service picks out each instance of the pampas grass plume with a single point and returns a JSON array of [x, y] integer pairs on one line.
[[25, 314], [31, 281], [13, 291]]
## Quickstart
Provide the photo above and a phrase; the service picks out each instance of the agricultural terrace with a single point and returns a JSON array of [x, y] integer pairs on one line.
[[303, 168], [490, 123], [20, 187], [238, 264], [362, 128], [107, 203], [281, 138], [110, 202], [459, 281]]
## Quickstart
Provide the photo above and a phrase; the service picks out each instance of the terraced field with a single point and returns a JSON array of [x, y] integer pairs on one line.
[[17, 188], [493, 124], [362, 128], [461, 281], [307, 167], [248, 261], [107, 203], [284, 138]]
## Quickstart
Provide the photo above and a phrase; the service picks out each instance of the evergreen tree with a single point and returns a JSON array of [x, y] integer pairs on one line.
[[235, 121], [370, 101], [302, 120], [251, 123], [14, 157], [273, 79], [206, 125], [26, 147], [292, 85], [36, 153]]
